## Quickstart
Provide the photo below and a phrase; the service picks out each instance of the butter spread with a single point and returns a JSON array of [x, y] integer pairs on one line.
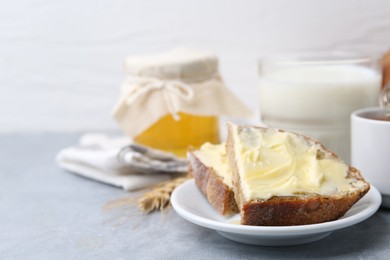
[[214, 156], [274, 163]]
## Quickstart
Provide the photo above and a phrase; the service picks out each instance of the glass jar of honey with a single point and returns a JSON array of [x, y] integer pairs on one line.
[[173, 101]]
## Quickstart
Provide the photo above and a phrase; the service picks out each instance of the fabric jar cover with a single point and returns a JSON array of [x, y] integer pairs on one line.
[[182, 80]]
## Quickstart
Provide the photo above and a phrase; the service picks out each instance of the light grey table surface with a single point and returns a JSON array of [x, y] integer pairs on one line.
[[47, 213]]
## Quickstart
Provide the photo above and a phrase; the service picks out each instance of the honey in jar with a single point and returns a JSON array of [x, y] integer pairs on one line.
[[179, 135], [173, 101]]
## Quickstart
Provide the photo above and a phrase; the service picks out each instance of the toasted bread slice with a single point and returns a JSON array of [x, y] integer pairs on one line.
[[212, 175], [282, 178]]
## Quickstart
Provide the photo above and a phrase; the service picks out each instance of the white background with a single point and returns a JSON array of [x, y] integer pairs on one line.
[[61, 61]]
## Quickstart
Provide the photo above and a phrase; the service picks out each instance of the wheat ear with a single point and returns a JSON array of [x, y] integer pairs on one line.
[[159, 197]]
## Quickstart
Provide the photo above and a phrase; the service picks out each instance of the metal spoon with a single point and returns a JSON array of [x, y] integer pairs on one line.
[[384, 98]]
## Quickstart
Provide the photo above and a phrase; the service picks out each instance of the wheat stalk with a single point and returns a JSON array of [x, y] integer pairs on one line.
[[159, 197]]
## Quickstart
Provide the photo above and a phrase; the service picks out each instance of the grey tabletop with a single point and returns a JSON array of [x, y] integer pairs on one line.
[[47, 213]]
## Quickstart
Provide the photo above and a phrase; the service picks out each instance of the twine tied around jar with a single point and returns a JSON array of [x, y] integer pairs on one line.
[[135, 87]]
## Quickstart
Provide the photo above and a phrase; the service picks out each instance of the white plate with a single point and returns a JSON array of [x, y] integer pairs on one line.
[[190, 203]]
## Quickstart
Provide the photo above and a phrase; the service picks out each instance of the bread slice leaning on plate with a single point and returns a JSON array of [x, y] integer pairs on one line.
[[282, 179], [212, 175]]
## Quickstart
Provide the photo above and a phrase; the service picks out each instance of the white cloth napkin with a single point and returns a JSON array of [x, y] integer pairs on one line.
[[118, 162]]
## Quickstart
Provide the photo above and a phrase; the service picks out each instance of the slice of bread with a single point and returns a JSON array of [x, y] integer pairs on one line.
[[282, 178], [212, 175]]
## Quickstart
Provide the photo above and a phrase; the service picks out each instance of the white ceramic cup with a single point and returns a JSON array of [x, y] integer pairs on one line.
[[370, 148]]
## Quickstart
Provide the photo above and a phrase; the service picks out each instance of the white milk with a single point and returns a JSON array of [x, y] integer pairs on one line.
[[317, 101]]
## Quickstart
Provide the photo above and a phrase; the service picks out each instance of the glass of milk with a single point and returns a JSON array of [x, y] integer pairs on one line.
[[315, 93]]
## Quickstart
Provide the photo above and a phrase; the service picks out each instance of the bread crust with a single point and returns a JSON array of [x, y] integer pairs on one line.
[[219, 195], [293, 210]]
